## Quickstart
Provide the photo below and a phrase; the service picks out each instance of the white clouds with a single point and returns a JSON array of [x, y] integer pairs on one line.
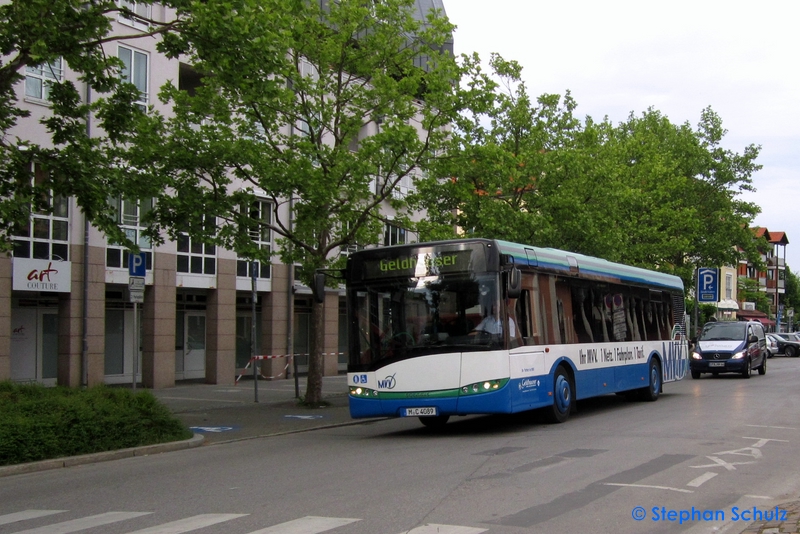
[[679, 57]]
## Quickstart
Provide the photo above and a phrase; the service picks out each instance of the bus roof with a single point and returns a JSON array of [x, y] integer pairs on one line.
[[551, 259], [556, 261]]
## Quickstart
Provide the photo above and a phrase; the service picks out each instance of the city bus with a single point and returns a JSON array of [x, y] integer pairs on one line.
[[481, 326]]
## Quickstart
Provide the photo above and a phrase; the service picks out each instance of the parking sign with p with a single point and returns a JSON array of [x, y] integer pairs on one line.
[[136, 264], [707, 284]]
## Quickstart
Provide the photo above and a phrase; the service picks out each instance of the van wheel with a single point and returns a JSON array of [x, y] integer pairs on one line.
[[746, 372], [563, 398], [762, 369], [696, 374], [651, 392]]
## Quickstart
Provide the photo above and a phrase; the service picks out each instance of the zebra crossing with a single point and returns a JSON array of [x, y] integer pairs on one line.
[[303, 525]]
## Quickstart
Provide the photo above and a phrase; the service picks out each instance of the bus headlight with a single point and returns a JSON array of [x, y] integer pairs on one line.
[[483, 387], [363, 393]]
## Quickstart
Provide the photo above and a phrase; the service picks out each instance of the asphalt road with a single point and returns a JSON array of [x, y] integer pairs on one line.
[[719, 449]]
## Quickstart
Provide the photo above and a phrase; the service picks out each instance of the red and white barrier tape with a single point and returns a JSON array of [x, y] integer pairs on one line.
[[274, 356]]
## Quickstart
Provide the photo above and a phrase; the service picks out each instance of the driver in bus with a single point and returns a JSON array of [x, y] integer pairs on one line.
[[491, 324]]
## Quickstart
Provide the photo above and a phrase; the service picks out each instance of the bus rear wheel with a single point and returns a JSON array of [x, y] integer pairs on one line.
[[563, 398], [652, 391]]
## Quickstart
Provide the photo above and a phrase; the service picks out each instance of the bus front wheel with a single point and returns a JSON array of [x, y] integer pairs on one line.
[[563, 397]]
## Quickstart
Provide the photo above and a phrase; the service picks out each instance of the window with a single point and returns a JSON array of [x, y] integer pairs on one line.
[[195, 257], [135, 71], [404, 187], [129, 217], [261, 214], [729, 286], [141, 13], [46, 235], [39, 78], [394, 235]]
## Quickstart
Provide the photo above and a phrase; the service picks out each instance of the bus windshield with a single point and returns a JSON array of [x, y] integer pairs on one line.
[[409, 317]]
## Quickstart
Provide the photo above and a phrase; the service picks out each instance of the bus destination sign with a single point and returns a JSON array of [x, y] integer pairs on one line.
[[417, 265]]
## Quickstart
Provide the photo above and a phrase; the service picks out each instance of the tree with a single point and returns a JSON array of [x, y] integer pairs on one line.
[[325, 107], [645, 192], [78, 163]]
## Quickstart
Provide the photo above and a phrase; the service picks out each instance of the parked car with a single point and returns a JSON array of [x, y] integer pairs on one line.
[[788, 344], [730, 347], [772, 345]]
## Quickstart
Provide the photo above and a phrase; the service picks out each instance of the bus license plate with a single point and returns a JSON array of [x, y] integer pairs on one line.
[[428, 411], [716, 364]]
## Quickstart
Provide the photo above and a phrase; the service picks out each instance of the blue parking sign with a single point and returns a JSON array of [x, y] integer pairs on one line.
[[707, 284], [137, 264]]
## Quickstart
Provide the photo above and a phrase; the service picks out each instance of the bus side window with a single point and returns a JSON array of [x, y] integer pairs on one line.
[[523, 314]]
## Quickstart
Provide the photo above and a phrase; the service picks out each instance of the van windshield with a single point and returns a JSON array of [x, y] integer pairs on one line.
[[734, 331]]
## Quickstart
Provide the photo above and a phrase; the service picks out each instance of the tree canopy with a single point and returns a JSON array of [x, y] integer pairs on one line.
[[329, 107], [644, 192], [78, 162]]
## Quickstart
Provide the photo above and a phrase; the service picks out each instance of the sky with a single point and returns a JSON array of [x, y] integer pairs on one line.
[[679, 57]]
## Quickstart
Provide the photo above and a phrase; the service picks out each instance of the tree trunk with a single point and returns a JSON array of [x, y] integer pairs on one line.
[[315, 359]]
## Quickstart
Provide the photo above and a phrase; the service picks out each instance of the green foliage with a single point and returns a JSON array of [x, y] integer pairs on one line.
[[78, 163], [38, 423], [645, 192]]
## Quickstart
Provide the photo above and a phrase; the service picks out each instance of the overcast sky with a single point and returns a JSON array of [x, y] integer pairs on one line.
[[617, 57]]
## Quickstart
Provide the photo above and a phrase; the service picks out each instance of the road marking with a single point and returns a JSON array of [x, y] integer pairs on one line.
[[307, 525], [27, 514], [84, 523], [778, 427], [188, 524], [699, 481], [718, 462], [202, 400], [445, 529], [758, 496], [304, 416], [680, 490]]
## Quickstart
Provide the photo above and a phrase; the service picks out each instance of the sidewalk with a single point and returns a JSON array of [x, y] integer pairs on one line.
[[231, 413]]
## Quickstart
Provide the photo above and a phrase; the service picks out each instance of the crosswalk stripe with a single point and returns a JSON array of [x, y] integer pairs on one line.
[[189, 524], [445, 529], [26, 514], [75, 525], [307, 525]]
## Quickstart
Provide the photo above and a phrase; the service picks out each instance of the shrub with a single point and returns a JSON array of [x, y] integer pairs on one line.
[[38, 423]]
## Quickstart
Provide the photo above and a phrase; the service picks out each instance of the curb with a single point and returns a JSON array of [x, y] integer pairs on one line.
[[788, 525], [70, 461]]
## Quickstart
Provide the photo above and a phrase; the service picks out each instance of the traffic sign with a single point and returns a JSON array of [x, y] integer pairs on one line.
[[707, 284], [137, 265]]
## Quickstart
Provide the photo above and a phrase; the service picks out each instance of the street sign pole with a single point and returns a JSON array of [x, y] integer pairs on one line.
[[137, 269], [135, 344]]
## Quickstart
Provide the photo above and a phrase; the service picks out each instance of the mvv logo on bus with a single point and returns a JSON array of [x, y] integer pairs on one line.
[[676, 360], [387, 383]]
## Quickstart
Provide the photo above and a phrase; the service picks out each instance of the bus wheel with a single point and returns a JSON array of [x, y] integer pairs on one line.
[[434, 422], [563, 398], [651, 392]]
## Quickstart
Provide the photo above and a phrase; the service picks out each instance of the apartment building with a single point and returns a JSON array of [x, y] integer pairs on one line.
[[771, 280], [66, 310]]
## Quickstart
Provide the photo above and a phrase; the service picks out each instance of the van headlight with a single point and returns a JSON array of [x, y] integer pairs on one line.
[[738, 356], [697, 356]]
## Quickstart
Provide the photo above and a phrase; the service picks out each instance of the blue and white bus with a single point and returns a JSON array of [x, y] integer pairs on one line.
[[480, 326]]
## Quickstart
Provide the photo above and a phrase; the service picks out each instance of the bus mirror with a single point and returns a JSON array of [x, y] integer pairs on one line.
[[514, 286], [318, 287]]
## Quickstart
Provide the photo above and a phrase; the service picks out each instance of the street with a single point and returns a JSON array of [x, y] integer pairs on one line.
[[708, 456]]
